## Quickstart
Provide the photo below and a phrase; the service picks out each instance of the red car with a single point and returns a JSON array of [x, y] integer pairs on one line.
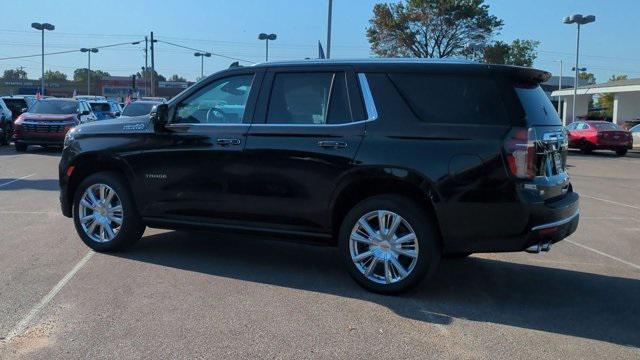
[[46, 123], [599, 135]]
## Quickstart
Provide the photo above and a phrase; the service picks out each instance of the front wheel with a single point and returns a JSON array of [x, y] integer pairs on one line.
[[389, 243], [621, 152], [6, 134], [104, 213]]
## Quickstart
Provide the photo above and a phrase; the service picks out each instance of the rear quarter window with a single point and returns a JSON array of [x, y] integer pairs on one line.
[[453, 99], [537, 107]]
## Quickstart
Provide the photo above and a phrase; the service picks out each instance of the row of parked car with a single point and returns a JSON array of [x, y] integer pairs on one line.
[[602, 135], [29, 121]]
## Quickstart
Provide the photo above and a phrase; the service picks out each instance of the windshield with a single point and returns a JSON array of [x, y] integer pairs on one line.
[[137, 109], [605, 126], [537, 106], [16, 106], [104, 107], [54, 107]]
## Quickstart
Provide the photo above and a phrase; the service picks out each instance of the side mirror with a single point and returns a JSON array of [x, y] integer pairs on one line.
[[159, 116]]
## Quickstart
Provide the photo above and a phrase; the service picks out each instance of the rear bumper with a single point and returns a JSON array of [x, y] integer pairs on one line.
[[549, 222]]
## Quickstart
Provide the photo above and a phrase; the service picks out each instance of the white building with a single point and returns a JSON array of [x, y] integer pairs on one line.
[[626, 103]]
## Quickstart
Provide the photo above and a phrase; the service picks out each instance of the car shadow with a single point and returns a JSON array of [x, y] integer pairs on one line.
[[553, 300], [29, 184], [9, 150]]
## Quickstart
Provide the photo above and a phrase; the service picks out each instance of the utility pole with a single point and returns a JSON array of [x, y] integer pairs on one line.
[[153, 68], [146, 66], [329, 29], [560, 88]]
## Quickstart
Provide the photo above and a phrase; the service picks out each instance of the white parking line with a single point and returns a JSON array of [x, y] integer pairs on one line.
[[612, 202], [22, 325], [605, 254], [18, 179]]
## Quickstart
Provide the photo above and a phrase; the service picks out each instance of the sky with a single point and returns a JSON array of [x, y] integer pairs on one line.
[[230, 27]]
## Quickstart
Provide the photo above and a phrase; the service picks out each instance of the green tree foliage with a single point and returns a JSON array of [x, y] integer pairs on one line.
[[519, 52], [17, 74], [80, 75], [588, 77], [176, 77], [55, 76], [430, 28]]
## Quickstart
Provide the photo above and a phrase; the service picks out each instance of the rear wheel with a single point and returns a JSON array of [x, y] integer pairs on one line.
[[6, 134], [20, 147], [104, 213], [621, 152], [389, 243]]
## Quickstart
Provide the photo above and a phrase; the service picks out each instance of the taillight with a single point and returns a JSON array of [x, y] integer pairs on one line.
[[521, 152]]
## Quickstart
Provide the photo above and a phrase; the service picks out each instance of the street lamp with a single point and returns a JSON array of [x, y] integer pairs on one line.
[[42, 27], [580, 20], [202, 56], [89, 51], [267, 37]]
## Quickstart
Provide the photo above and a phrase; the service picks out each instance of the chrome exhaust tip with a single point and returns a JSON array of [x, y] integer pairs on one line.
[[533, 249]]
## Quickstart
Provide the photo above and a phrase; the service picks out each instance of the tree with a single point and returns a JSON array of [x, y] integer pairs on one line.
[[17, 74], [606, 100], [430, 28], [519, 52], [55, 76], [158, 77], [176, 77], [588, 77], [80, 75]]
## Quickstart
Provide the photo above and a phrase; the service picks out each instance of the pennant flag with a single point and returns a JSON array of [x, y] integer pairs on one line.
[[320, 51]]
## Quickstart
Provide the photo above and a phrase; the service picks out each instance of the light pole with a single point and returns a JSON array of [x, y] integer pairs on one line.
[[202, 56], [330, 12], [89, 51], [580, 20], [267, 37], [42, 27], [559, 88]]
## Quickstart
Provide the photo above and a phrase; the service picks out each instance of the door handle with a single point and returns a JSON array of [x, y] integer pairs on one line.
[[226, 141], [332, 144]]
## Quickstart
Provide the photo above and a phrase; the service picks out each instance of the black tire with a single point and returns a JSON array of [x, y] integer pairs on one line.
[[621, 152], [6, 134], [457, 256], [132, 226], [424, 227], [586, 148], [20, 147]]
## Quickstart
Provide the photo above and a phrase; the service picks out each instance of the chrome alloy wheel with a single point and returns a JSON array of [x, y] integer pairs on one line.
[[383, 247], [100, 213]]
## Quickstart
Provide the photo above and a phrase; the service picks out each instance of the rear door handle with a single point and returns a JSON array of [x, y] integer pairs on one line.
[[332, 144], [226, 141]]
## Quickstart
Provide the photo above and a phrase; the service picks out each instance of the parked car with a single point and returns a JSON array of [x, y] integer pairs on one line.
[[105, 109], [85, 112], [138, 108], [635, 133], [17, 104], [396, 162], [46, 123], [6, 123], [599, 135]]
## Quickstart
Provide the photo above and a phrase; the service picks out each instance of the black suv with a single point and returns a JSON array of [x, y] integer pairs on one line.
[[396, 162]]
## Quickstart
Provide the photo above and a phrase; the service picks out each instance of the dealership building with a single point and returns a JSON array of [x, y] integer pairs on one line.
[[626, 100], [115, 87]]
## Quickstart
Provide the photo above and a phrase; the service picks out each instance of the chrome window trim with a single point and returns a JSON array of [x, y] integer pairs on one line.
[[370, 105], [367, 96]]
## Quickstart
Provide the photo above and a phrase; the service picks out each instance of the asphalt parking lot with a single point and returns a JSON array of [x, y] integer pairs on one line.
[[196, 295]]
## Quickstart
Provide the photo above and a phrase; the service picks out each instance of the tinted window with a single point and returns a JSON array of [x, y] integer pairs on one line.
[[221, 102], [102, 107], [54, 107], [138, 108], [304, 98], [16, 106], [452, 99], [605, 126], [537, 106]]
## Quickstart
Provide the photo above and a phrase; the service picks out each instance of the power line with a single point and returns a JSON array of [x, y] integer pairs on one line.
[[66, 51], [200, 50]]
